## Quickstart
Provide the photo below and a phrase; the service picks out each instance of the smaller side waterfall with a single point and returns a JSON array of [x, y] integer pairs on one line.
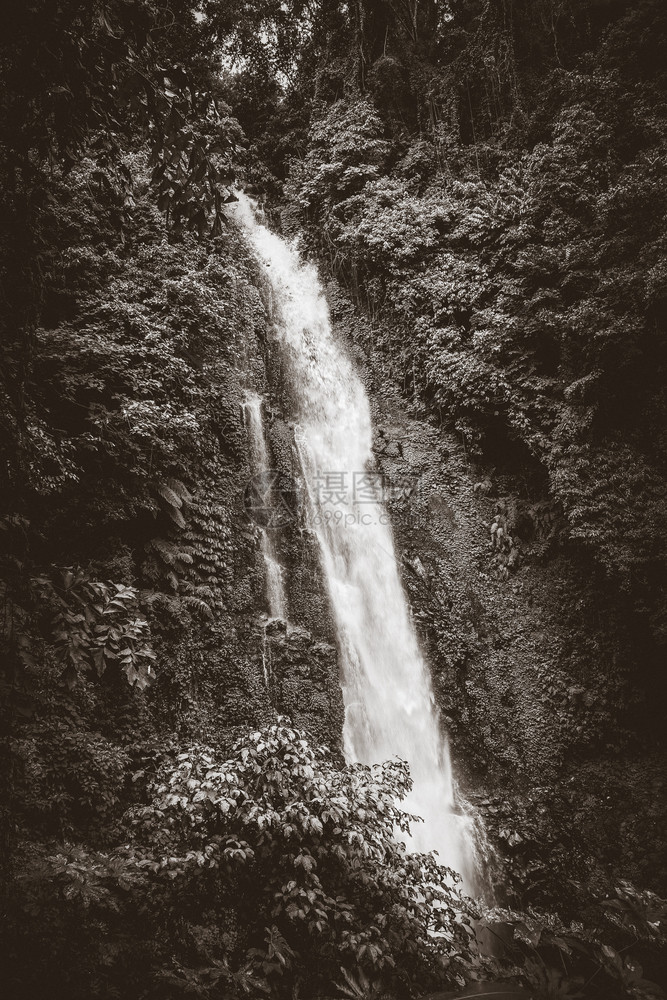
[[263, 505]]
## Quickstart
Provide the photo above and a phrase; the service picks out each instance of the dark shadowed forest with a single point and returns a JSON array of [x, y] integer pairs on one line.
[[482, 186]]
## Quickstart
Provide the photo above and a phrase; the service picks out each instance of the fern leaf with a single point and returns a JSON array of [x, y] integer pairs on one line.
[[179, 488], [176, 516], [198, 604], [167, 551], [169, 495]]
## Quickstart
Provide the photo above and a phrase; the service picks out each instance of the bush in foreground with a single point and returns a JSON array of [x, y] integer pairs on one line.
[[270, 871]]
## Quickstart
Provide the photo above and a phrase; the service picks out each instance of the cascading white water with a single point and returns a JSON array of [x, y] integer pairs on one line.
[[389, 704], [259, 459]]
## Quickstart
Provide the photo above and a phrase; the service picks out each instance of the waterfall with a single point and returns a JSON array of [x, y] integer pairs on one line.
[[263, 504], [389, 704]]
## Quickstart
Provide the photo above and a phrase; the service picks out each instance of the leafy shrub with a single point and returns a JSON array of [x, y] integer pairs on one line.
[[306, 855], [96, 624], [619, 952], [272, 870], [346, 149], [69, 779]]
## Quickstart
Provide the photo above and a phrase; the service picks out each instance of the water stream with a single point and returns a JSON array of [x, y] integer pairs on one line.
[[389, 703], [263, 504]]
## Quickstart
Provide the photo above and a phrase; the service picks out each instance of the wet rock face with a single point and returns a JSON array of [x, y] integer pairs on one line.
[[469, 618], [302, 677]]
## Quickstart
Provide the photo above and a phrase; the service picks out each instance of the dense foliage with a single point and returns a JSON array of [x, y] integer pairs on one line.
[[508, 240], [122, 461], [267, 872], [487, 179]]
